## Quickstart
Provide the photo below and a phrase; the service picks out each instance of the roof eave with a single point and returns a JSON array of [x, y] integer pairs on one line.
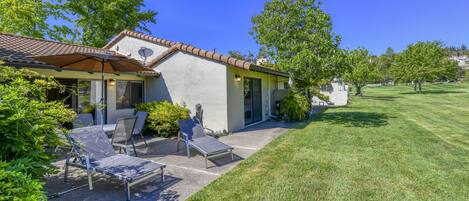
[[149, 73], [262, 69]]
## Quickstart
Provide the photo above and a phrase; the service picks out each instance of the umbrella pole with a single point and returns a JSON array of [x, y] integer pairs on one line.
[[102, 93]]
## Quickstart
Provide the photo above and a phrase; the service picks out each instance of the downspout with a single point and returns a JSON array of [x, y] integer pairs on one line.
[[269, 96]]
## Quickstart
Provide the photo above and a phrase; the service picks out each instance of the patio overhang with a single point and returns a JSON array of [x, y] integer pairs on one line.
[[149, 73]]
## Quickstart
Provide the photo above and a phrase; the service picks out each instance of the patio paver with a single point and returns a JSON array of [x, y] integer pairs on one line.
[[184, 176]]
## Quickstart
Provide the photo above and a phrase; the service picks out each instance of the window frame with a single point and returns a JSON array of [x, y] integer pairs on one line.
[[132, 106]]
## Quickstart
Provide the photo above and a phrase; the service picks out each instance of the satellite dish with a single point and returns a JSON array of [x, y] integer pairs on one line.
[[145, 53]]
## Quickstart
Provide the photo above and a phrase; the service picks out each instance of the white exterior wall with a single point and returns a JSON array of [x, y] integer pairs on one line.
[[112, 113], [189, 80], [186, 80], [236, 95], [337, 92], [129, 46]]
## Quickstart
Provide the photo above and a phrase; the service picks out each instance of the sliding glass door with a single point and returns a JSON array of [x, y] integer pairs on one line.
[[89, 97], [67, 96], [252, 100], [82, 96]]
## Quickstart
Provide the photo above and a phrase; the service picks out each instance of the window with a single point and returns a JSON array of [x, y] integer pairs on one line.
[[89, 94], [283, 85], [286, 85], [128, 93]]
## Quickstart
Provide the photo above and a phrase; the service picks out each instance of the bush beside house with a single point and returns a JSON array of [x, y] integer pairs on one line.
[[28, 125], [294, 107], [163, 117]]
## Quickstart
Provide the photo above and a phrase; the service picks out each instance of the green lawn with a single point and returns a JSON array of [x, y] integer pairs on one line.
[[391, 144]]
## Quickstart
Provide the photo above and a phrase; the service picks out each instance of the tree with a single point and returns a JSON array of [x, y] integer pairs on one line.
[[362, 69], [262, 58], [250, 57], [297, 35], [463, 47], [385, 62], [424, 61], [458, 51], [97, 21], [27, 17]]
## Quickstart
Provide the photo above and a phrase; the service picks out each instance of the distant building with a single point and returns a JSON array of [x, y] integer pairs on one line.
[[337, 92], [463, 61]]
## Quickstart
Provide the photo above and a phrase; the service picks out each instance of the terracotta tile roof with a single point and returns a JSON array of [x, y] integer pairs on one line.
[[138, 35], [176, 46], [16, 50]]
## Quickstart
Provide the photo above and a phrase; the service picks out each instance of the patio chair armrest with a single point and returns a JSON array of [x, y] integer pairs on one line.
[[184, 136], [209, 131]]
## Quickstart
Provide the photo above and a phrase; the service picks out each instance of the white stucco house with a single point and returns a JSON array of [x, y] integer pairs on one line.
[[233, 93]]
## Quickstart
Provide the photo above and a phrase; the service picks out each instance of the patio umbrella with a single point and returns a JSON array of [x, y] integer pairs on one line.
[[94, 62]]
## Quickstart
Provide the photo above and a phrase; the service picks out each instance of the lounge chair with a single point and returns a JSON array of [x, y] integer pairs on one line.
[[193, 135], [122, 136], [91, 147], [83, 120], [140, 125]]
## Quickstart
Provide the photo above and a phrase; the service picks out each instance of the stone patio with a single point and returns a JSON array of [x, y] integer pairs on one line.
[[184, 176]]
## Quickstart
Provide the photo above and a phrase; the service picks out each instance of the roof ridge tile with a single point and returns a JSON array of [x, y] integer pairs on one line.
[[173, 46]]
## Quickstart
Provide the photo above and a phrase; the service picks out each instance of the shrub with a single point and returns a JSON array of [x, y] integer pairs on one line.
[[323, 97], [91, 108], [148, 107], [27, 121], [16, 185], [314, 91], [163, 116], [294, 107]]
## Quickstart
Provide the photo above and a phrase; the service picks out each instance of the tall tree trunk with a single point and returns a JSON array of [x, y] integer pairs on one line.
[[358, 90], [420, 86], [415, 85]]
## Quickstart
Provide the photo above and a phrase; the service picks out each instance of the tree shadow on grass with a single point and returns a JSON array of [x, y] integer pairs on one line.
[[380, 98], [355, 119], [435, 92]]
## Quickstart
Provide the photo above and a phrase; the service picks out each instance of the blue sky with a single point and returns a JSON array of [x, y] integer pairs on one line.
[[373, 24]]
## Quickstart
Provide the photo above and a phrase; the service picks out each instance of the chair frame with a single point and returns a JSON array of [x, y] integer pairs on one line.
[[140, 130], [74, 153], [186, 141], [125, 146]]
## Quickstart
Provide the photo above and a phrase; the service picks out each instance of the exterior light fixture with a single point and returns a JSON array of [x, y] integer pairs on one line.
[[112, 82], [237, 78]]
